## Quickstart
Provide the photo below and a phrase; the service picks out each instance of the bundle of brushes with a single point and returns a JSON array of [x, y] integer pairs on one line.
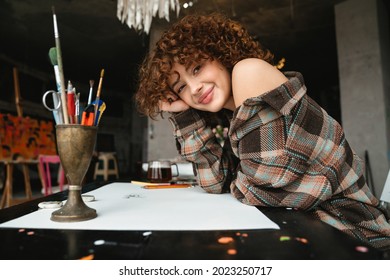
[[66, 101], [92, 112]]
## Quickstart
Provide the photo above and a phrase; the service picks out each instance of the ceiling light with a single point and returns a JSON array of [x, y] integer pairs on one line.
[[138, 14]]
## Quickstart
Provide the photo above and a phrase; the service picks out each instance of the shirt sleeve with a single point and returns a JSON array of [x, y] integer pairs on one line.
[[279, 160], [197, 143]]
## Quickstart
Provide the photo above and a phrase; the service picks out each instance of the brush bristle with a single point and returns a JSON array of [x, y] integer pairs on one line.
[[53, 56]]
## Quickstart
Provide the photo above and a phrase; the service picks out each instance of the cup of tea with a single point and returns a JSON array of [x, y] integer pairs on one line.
[[159, 171]]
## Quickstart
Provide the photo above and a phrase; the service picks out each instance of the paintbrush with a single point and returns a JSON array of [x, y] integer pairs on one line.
[[88, 116], [99, 90], [60, 69], [91, 82], [101, 108], [77, 105], [53, 60]]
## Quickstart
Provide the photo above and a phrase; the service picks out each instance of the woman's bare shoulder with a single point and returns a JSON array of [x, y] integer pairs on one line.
[[252, 77]]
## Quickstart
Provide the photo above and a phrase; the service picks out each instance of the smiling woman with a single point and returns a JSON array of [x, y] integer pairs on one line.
[[204, 86], [282, 149], [201, 46]]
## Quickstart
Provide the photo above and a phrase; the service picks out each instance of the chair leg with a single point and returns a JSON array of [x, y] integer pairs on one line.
[[41, 173], [62, 178], [48, 179]]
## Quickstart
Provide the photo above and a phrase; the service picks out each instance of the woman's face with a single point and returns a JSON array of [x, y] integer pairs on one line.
[[204, 86]]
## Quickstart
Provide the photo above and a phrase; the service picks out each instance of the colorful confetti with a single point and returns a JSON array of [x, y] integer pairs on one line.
[[361, 249], [87, 258], [225, 240], [300, 239], [284, 238], [232, 252], [303, 240]]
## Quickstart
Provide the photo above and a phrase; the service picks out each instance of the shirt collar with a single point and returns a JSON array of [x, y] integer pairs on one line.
[[284, 97]]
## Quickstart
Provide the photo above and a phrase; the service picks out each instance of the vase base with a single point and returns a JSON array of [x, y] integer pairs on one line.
[[70, 214]]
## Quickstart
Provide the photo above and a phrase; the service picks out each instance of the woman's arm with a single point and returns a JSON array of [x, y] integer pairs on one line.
[[197, 143], [268, 174]]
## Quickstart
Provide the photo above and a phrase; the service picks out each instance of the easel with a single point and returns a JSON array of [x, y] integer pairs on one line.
[[6, 199], [18, 99]]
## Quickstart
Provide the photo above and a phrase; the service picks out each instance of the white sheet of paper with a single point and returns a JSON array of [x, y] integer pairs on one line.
[[125, 206]]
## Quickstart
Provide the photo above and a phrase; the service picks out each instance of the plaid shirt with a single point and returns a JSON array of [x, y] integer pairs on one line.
[[291, 154]]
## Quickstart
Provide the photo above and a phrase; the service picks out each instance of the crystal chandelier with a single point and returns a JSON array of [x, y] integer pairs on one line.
[[138, 14]]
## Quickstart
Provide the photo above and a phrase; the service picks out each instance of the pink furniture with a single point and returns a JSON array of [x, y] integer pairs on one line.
[[46, 164]]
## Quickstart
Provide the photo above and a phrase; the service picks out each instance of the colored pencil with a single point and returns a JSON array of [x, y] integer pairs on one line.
[[171, 186]]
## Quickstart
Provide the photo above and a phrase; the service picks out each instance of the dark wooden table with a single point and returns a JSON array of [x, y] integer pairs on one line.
[[300, 237]]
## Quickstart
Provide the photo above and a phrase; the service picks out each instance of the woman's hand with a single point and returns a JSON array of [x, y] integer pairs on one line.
[[173, 104]]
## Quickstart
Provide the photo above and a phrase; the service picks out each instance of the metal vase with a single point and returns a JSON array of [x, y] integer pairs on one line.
[[75, 144]]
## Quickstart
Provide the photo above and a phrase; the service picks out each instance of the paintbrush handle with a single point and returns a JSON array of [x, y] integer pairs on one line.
[[100, 84], [71, 107], [56, 101], [63, 94], [90, 97], [60, 70], [97, 100]]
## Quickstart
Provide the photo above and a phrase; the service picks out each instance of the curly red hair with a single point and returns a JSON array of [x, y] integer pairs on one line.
[[193, 38]]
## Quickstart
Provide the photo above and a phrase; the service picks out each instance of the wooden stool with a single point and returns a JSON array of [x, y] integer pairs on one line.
[[106, 166], [6, 199]]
